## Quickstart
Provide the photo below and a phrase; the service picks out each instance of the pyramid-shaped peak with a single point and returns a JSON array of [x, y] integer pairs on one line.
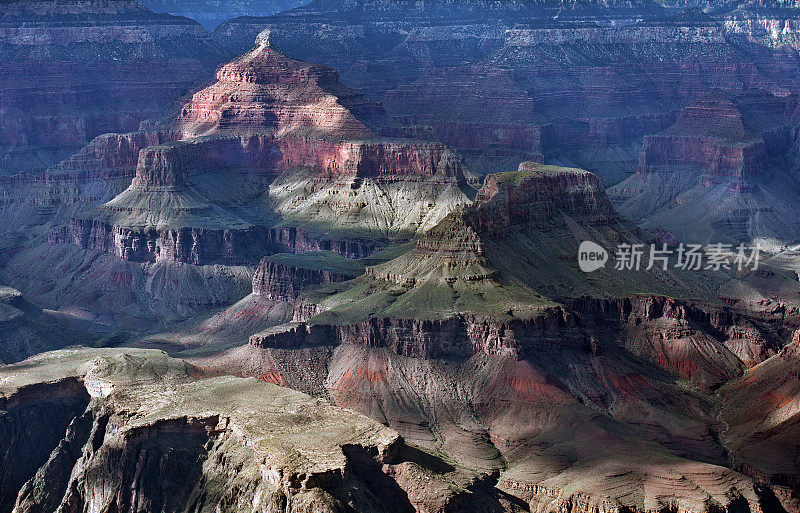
[[450, 251], [266, 91]]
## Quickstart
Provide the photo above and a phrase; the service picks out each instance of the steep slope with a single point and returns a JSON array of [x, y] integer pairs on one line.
[[268, 115], [485, 342], [74, 70], [573, 83], [135, 430], [275, 155], [722, 172], [760, 411]]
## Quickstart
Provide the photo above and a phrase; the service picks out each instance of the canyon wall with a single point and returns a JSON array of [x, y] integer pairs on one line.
[[722, 170], [97, 67], [109, 454], [505, 83]]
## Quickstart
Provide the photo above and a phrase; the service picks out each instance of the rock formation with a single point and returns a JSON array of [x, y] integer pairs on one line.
[[485, 342], [134, 430], [266, 116], [275, 155], [566, 82], [720, 172], [75, 70]]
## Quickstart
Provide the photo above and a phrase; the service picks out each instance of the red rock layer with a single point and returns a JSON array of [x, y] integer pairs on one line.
[[170, 164], [266, 91], [534, 195], [725, 135], [75, 70]]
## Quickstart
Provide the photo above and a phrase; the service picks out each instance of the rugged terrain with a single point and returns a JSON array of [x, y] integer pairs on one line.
[[485, 343], [170, 220], [569, 82], [134, 430], [725, 171], [73, 71], [278, 230]]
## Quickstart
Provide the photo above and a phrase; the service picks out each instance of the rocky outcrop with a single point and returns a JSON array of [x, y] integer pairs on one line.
[[457, 337], [124, 450], [77, 70], [283, 280], [535, 194], [266, 116], [34, 421], [190, 245], [722, 168], [556, 81]]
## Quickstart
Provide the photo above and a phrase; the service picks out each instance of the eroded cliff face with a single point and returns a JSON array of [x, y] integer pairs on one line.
[[283, 280], [114, 443], [763, 428], [266, 116], [75, 71], [722, 169], [455, 345], [511, 82], [535, 195], [33, 420]]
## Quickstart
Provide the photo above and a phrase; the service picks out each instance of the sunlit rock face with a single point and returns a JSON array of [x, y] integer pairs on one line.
[[135, 430], [721, 171], [484, 342], [266, 91], [274, 155], [75, 70], [567, 83], [267, 116]]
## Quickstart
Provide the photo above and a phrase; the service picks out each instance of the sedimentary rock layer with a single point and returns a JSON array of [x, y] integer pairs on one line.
[[204, 449], [503, 83], [73, 71], [721, 172]]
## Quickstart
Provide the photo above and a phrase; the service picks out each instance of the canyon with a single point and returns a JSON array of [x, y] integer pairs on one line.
[[568, 82], [339, 272], [74, 71], [463, 339], [723, 171]]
